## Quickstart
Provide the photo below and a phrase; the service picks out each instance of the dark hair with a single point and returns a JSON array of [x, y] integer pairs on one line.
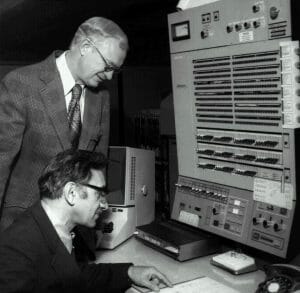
[[70, 165]]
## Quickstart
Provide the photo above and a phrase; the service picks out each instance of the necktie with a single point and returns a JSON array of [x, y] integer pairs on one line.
[[74, 115]]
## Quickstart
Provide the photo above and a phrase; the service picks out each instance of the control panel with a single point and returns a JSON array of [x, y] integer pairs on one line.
[[215, 24], [233, 213]]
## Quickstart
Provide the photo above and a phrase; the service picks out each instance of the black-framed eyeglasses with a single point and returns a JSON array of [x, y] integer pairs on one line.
[[103, 191], [108, 67]]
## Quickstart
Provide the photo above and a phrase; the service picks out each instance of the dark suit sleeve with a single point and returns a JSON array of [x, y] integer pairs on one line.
[[12, 125], [17, 273], [113, 277]]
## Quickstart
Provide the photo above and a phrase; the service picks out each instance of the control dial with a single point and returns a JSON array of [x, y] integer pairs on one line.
[[238, 27], [257, 220], [268, 224], [256, 23], [204, 34], [278, 227], [255, 8], [229, 28]]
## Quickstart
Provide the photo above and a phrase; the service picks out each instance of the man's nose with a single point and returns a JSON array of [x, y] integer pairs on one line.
[[109, 75], [103, 204]]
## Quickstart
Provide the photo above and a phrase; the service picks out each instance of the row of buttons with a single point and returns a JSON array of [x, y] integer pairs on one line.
[[240, 26], [204, 193]]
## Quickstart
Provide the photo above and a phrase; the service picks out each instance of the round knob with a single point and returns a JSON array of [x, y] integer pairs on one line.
[[274, 12], [255, 8], [265, 224], [204, 34], [273, 287], [238, 27], [277, 227], [229, 28], [297, 51], [247, 25], [268, 224], [257, 221], [144, 190], [256, 24]]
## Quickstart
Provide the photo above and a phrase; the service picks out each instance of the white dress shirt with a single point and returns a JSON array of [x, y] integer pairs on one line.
[[68, 82]]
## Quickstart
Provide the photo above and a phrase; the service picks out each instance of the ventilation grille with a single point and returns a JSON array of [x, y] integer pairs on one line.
[[238, 89], [132, 178], [277, 30]]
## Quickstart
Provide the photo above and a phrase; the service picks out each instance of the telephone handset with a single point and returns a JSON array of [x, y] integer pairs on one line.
[[280, 278]]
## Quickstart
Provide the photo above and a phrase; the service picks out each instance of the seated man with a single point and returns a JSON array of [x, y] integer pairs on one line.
[[36, 251]]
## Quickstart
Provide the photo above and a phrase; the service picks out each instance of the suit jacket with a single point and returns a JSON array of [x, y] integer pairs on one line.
[[34, 128], [34, 259]]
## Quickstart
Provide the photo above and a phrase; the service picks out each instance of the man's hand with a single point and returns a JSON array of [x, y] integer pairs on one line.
[[148, 277], [108, 227]]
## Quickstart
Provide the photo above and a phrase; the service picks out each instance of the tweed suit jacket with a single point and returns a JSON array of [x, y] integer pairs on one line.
[[34, 128], [34, 259]]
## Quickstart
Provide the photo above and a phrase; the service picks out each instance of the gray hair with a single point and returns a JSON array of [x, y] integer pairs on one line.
[[96, 28]]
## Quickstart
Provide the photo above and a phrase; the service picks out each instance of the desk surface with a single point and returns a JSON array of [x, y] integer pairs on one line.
[[136, 252]]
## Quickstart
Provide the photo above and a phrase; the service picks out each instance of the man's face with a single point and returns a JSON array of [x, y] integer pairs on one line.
[[89, 207], [98, 56]]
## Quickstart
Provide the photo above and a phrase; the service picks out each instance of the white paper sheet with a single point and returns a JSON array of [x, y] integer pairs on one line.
[[274, 193], [186, 4], [203, 284]]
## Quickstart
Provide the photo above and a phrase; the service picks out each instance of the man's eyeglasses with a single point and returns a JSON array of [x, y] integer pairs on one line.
[[101, 190], [108, 67]]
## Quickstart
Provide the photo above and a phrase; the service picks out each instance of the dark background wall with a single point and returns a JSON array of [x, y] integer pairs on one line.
[[31, 29]]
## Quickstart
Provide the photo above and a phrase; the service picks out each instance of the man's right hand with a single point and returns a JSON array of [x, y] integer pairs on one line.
[[148, 277], [108, 227]]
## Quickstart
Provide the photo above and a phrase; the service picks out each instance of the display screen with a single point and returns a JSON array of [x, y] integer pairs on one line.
[[116, 172], [181, 31]]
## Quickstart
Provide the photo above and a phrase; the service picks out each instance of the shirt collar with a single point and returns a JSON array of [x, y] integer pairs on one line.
[[67, 79]]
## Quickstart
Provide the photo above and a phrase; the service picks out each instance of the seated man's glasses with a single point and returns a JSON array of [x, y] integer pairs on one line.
[[102, 191], [108, 67]]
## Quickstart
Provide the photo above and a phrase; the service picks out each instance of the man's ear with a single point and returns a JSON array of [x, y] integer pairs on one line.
[[85, 47], [70, 192]]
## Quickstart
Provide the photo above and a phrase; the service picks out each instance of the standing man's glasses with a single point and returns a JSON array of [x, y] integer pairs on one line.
[[108, 67]]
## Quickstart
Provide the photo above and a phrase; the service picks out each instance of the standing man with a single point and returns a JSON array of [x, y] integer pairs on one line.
[[52, 106], [36, 251]]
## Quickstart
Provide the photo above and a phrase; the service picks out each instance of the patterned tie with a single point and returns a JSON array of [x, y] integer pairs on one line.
[[74, 115]]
